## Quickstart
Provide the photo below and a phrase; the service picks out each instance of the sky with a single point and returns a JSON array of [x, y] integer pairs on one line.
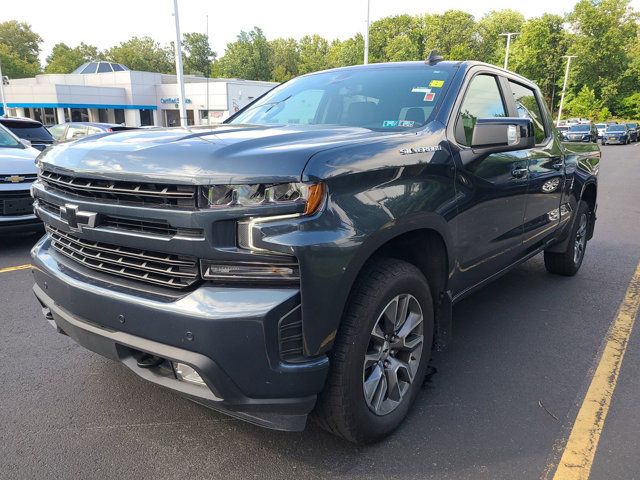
[[109, 22]]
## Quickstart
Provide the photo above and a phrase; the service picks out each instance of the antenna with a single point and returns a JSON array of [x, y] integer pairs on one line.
[[434, 57]]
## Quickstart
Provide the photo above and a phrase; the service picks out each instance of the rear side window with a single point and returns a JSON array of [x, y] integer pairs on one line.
[[482, 100], [528, 107]]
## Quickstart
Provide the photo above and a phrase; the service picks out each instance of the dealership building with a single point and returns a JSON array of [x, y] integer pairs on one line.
[[110, 92]]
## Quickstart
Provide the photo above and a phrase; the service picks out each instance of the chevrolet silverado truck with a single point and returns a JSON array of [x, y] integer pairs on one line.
[[301, 260]]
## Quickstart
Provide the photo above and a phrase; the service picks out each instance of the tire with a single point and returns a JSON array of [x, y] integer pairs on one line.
[[568, 263], [343, 408]]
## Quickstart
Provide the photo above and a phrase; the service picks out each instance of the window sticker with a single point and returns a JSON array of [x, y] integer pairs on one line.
[[436, 83], [389, 123], [429, 96], [420, 89], [406, 123]]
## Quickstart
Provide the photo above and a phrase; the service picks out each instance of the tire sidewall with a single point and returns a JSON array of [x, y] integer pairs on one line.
[[373, 426], [582, 209]]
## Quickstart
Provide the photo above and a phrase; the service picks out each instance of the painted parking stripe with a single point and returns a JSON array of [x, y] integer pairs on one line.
[[13, 269], [578, 455]]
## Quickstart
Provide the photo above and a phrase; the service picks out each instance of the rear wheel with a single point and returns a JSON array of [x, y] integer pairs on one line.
[[380, 355], [568, 262]]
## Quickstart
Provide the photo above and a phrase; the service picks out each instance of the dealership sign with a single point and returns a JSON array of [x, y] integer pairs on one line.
[[175, 100]]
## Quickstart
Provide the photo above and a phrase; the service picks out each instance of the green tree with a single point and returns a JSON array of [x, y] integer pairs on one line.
[[15, 67], [19, 49], [630, 106], [64, 59], [453, 34], [383, 32], [248, 57], [197, 53], [314, 54], [285, 57], [491, 46], [347, 52], [538, 53], [144, 54], [603, 32], [585, 104], [402, 48], [21, 40]]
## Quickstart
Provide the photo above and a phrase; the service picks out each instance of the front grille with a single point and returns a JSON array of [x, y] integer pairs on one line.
[[182, 196], [290, 336], [157, 268], [149, 227], [15, 203]]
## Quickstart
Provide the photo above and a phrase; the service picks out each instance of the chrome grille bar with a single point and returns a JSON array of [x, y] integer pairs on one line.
[[151, 267]]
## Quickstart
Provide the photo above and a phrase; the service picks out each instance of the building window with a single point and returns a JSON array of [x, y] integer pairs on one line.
[[103, 116], [146, 117], [119, 114], [79, 115]]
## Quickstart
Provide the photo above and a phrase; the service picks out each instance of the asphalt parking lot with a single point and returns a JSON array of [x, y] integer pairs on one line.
[[500, 403]]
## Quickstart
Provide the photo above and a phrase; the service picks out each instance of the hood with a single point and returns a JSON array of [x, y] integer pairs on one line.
[[17, 161], [217, 154]]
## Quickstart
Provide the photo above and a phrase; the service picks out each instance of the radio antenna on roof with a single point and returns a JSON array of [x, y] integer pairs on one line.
[[434, 57]]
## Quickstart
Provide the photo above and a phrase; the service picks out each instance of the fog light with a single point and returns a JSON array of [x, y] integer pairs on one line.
[[185, 373], [250, 271]]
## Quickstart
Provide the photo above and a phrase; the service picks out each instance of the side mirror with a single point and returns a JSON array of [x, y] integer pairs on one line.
[[25, 142], [503, 134]]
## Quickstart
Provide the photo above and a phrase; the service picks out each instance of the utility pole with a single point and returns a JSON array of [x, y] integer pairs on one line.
[[564, 86], [506, 56], [366, 35], [4, 100], [179, 70], [208, 74]]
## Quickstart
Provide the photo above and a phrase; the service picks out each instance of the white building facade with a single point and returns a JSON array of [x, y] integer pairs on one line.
[[127, 97]]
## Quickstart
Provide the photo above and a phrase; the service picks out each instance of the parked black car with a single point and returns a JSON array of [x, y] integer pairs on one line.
[[72, 130], [617, 134], [304, 256], [584, 132], [28, 129], [633, 131]]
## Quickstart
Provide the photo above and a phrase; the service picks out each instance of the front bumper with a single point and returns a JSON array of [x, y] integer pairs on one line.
[[228, 335], [615, 140]]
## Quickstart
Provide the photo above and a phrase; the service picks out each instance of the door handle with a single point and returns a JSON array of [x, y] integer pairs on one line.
[[519, 172]]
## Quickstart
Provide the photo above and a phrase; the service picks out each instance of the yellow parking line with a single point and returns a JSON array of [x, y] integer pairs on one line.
[[577, 459], [13, 269]]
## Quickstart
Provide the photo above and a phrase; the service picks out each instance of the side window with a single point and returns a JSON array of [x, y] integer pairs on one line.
[[528, 107], [482, 100]]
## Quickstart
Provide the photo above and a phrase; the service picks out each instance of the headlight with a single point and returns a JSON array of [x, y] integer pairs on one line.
[[307, 196]]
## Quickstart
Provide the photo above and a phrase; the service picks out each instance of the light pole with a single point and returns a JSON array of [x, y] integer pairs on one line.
[[564, 86], [5, 113], [208, 75], [179, 71], [506, 56], [366, 35]]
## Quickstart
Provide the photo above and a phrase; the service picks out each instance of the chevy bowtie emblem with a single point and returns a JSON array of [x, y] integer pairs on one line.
[[14, 179], [76, 218]]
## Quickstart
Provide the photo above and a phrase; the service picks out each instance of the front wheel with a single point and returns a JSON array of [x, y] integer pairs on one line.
[[380, 355], [568, 262]]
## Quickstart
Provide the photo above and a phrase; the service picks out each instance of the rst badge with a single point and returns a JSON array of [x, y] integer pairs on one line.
[[76, 218]]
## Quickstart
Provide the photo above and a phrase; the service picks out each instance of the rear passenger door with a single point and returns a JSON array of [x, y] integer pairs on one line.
[[491, 189], [546, 168]]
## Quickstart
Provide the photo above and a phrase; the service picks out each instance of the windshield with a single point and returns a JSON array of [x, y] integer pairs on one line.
[[389, 98], [7, 140], [580, 128], [29, 131], [632, 125], [617, 128], [601, 125]]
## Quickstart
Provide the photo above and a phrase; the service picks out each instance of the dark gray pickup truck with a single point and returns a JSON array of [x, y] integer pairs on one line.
[[303, 258]]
